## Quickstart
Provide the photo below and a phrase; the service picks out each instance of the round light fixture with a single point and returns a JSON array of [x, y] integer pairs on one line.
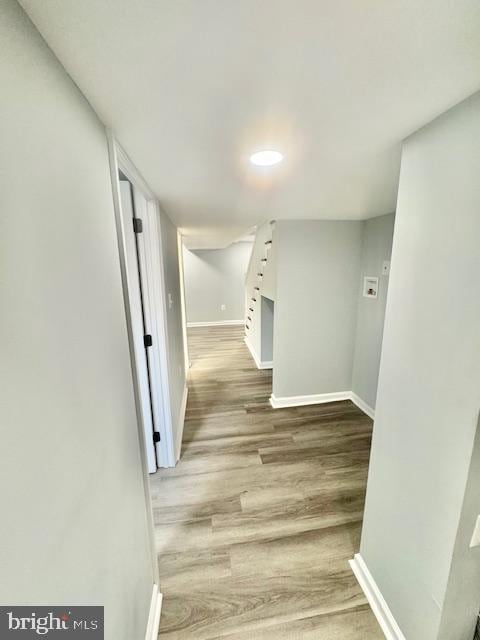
[[266, 158]]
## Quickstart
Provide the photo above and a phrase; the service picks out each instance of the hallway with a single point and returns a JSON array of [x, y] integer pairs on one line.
[[256, 524]]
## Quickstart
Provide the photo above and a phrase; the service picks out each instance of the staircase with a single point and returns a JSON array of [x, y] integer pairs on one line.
[[255, 292], [259, 263]]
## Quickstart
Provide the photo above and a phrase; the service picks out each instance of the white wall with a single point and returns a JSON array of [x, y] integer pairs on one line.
[[419, 517], [213, 278], [316, 301], [376, 248], [74, 527]]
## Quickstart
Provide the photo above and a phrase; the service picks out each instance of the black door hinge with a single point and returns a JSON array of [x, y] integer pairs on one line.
[[137, 225], [156, 436], [147, 340]]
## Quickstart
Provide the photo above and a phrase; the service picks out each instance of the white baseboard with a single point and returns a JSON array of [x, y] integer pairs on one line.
[[377, 602], [298, 401], [321, 398], [153, 622], [260, 364], [181, 424], [219, 323], [361, 404]]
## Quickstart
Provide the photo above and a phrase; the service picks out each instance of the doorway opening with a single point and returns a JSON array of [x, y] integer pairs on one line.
[[139, 237]]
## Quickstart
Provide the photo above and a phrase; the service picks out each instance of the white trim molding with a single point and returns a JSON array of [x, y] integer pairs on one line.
[[361, 404], [162, 410], [156, 290], [261, 364], [298, 401], [183, 303], [377, 602], [153, 622], [319, 398], [217, 323], [181, 424]]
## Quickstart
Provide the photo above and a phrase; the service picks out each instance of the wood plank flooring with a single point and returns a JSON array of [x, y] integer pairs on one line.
[[255, 526]]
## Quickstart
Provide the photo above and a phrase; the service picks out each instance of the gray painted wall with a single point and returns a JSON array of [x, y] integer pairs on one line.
[[417, 510], [74, 529], [316, 306], [376, 248], [267, 320], [176, 355], [215, 277]]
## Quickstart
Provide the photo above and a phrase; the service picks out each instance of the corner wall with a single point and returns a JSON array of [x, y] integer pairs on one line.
[[316, 306], [213, 278], [414, 538], [376, 248], [75, 527]]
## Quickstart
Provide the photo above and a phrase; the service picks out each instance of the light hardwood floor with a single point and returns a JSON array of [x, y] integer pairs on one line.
[[255, 526]]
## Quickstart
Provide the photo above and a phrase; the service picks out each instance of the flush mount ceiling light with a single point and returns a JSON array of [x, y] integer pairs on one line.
[[266, 158]]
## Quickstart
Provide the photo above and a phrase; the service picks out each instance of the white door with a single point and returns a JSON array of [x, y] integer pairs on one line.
[[149, 274], [137, 319]]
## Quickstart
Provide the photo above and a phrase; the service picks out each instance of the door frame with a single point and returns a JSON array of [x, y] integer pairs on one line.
[[119, 161], [138, 314], [183, 304]]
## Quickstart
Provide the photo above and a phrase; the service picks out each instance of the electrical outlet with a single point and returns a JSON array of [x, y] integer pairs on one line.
[[170, 301], [386, 268], [223, 307]]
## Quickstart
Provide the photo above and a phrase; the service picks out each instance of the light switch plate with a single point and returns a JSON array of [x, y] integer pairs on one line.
[[386, 268], [475, 541]]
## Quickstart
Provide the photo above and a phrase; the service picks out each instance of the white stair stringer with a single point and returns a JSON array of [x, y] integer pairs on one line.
[[259, 262]]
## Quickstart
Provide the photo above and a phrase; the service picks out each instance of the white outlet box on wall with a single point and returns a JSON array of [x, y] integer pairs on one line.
[[370, 287], [223, 307]]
